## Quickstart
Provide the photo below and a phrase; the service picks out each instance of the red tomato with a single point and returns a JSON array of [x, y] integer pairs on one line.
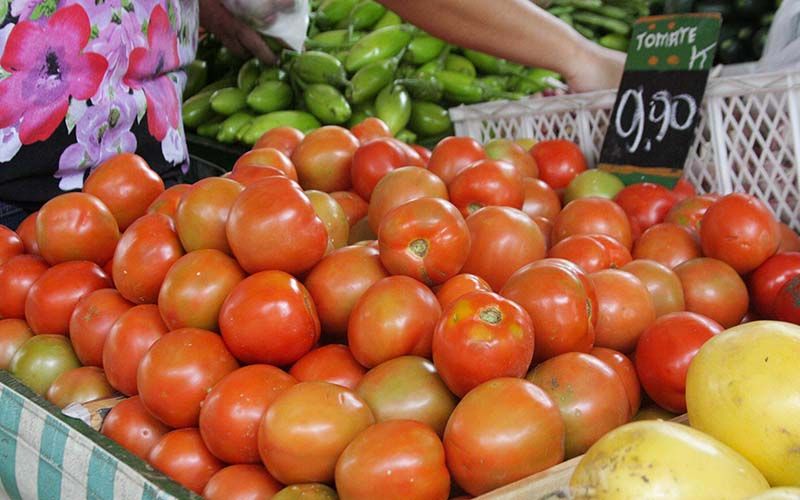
[[323, 158], [408, 387], [332, 215], [127, 185], [76, 226], [13, 333], [52, 298], [786, 306], [307, 427], [790, 241], [11, 245], [250, 174], [546, 227], [133, 428], [167, 202], [559, 161], [177, 372], [458, 286], [714, 289], [513, 153], [452, 155], [284, 139], [399, 187], [487, 183], [273, 226], [145, 253], [241, 482], [626, 371], [664, 352], [17, 276], [662, 284], [354, 206], [683, 189], [394, 317], [332, 363], [362, 234], [617, 253], [689, 212], [589, 394], [625, 309], [765, 282], [91, 321], [27, 233], [232, 411], [423, 152], [269, 318], [584, 250], [521, 435], [267, 157], [503, 240], [561, 303], [195, 288], [645, 203], [374, 160], [371, 128], [667, 243], [79, 385], [426, 239], [203, 212], [593, 216], [411, 451], [540, 199], [182, 456], [128, 341]]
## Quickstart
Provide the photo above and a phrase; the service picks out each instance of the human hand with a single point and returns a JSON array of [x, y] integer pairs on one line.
[[595, 68], [237, 36]]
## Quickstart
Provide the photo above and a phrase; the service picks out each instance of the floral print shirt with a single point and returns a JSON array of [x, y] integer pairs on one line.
[[82, 80]]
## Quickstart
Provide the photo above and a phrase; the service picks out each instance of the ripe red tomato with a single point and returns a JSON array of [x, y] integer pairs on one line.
[[664, 352], [17, 276], [786, 306], [91, 321], [76, 226], [177, 372], [411, 451], [589, 394], [332, 215], [487, 183], [11, 244], [13, 333], [369, 129], [540, 199], [203, 212], [625, 309], [399, 187], [273, 226], [790, 241], [269, 318], [584, 250], [741, 231], [284, 139], [561, 302], [683, 189], [323, 158], [79, 385], [521, 435], [689, 212], [182, 456], [626, 371], [409, 388], [307, 427], [128, 341], [127, 185], [267, 157], [52, 298], [668, 244], [423, 152], [426, 239], [394, 317], [167, 202], [241, 482], [765, 282], [618, 254], [482, 336], [593, 216], [546, 227], [133, 428], [332, 363], [646, 204], [27, 233], [503, 240], [714, 289], [662, 283], [452, 155], [374, 160], [250, 174], [559, 161], [511, 152], [458, 286], [354, 206], [232, 410]]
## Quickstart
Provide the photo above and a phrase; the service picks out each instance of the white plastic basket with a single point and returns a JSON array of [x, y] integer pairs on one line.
[[748, 137]]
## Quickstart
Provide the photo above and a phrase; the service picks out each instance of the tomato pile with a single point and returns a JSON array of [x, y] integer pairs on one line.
[[345, 310]]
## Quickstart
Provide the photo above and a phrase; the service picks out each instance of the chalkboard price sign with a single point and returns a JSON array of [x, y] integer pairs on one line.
[[653, 122]]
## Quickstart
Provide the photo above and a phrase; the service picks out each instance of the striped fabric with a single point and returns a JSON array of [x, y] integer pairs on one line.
[[47, 456]]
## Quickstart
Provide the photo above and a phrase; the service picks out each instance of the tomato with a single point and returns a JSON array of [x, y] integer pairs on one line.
[[593, 216], [790, 241], [361, 233], [232, 411], [424, 153], [27, 233], [426, 239], [399, 187], [452, 155], [13, 333], [167, 202], [79, 385], [561, 303], [241, 482], [323, 158], [740, 230], [559, 161], [41, 359], [127, 342], [411, 451], [284, 139], [589, 394], [17, 276], [76, 226], [177, 372], [11, 245], [584, 250], [267, 157], [333, 216], [354, 206], [683, 189], [91, 321], [521, 435], [369, 129], [540, 199], [503, 240], [765, 282], [132, 427], [786, 306], [273, 226], [625, 309], [372, 161], [626, 371], [203, 212], [315, 491], [332, 363], [546, 227], [668, 244], [394, 317], [487, 183], [689, 212], [458, 286], [646, 204], [594, 182], [662, 284], [511, 152], [269, 318], [250, 174], [145, 253], [127, 185], [618, 254], [408, 387], [664, 352], [307, 427], [52, 298], [181, 455], [714, 289]]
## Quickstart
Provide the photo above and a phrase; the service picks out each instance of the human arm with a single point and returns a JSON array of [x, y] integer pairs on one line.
[[237, 36]]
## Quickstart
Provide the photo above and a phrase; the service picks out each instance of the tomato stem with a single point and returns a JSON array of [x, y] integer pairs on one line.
[[419, 248], [474, 207], [491, 315]]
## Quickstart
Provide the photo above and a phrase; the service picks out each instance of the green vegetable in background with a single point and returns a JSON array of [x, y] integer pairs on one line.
[[380, 44], [248, 75], [196, 78], [428, 118], [228, 101], [270, 96], [369, 80], [318, 67], [423, 48], [393, 106], [327, 104], [231, 126], [300, 120]]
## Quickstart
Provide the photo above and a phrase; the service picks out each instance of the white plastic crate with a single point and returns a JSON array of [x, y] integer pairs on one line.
[[748, 136]]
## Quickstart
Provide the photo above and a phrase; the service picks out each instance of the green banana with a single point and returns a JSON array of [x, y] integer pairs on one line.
[[298, 119], [380, 44], [428, 118], [423, 48], [228, 101], [248, 75], [327, 104], [393, 106], [370, 79], [270, 96], [318, 67], [231, 126]]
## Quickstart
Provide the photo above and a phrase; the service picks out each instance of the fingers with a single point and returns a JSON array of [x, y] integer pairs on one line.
[[253, 42]]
